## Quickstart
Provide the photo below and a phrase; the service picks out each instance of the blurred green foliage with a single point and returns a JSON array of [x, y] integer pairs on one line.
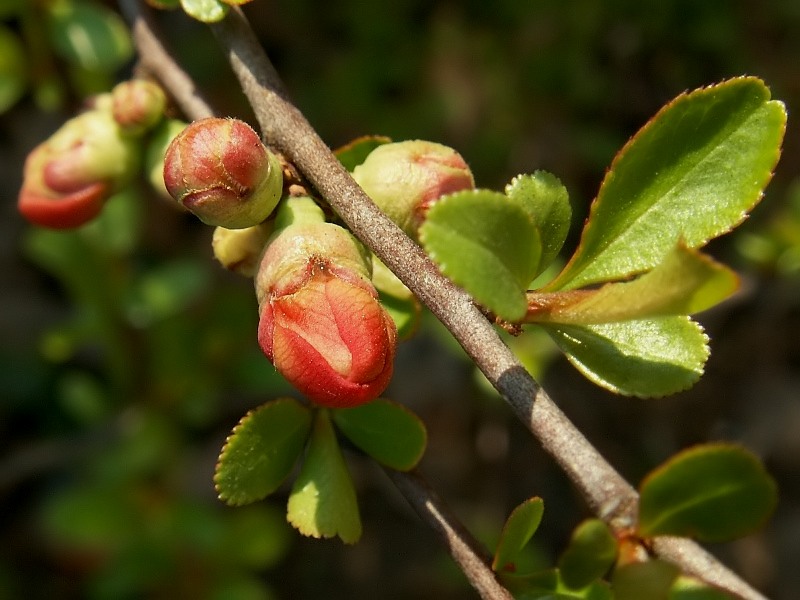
[[127, 355]]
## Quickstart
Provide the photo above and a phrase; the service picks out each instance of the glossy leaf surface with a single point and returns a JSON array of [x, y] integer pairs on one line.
[[591, 552], [207, 11], [685, 282], [712, 492], [488, 245], [646, 358], [261, 451], [691, 173], [323, 501], [519, 528]]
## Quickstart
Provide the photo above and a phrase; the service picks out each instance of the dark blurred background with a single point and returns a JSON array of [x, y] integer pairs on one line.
[[127, 354]]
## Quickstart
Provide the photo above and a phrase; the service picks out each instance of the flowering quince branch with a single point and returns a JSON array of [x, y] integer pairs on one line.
[[283, 126]]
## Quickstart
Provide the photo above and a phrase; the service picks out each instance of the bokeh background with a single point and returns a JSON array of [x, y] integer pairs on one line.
[[127, 354]]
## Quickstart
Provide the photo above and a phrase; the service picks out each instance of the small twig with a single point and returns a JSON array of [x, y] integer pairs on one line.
[[283, 126], [464, 549]]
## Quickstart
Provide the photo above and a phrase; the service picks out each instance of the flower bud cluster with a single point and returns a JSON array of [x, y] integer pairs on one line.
[[321, 323], [68, 178]]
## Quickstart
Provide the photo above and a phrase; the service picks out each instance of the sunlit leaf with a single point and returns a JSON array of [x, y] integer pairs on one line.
[[712, 492], [646, 358], [386, 430], [519, 528], [547, 201], [323, 501], [207, 11], [89, 35], [487, 244], [591, 552], [261, 451], [355, 152], [685, 282], [688, 588], [692, 173]]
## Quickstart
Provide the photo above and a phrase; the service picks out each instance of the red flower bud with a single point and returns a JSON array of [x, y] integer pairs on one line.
[[321, 323], [405, 178], [137, 105], [68, 178], [219, 170]]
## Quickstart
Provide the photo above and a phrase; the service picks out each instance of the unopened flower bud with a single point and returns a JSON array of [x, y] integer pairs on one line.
[[68, 178], [321, 323], [405, 178], [138, 105], [239, 250], [220, 171]]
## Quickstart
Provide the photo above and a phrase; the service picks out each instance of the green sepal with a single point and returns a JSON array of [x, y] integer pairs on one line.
[[207, 11], [547, 201], [487, 244], [652, 579], [261, 451], [323, 500], [712, 492], [692, 173], [590, 554], [684, 283], [356, 151], [518, 530], [387, 431], [645, 358]]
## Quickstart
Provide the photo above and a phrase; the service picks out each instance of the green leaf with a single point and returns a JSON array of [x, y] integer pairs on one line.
[[89, 35], [386, 430], [685, 282], [488, 245], [323, 501], [13, 69], [519, 528], [688, 588], [547, 201], [548, 585], [713, 492], [652, 580], [355, 152], [692, 173], [406, 314], [261, 451], [591, 552], [645, 358], [207, 11]]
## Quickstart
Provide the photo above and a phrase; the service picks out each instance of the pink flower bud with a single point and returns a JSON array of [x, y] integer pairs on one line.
[[68, 178], [137, 105], [321, 323], [219, 170], [405, 178]]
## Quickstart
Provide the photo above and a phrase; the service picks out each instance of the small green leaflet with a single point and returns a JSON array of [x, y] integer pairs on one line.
[[261, 451], [590, 554], [547, 202], [355, 152], [207, 11], [518, 530], [713, 492], [692, 173], [323, 501], [386, 430], [645, 358], [488, 245]]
